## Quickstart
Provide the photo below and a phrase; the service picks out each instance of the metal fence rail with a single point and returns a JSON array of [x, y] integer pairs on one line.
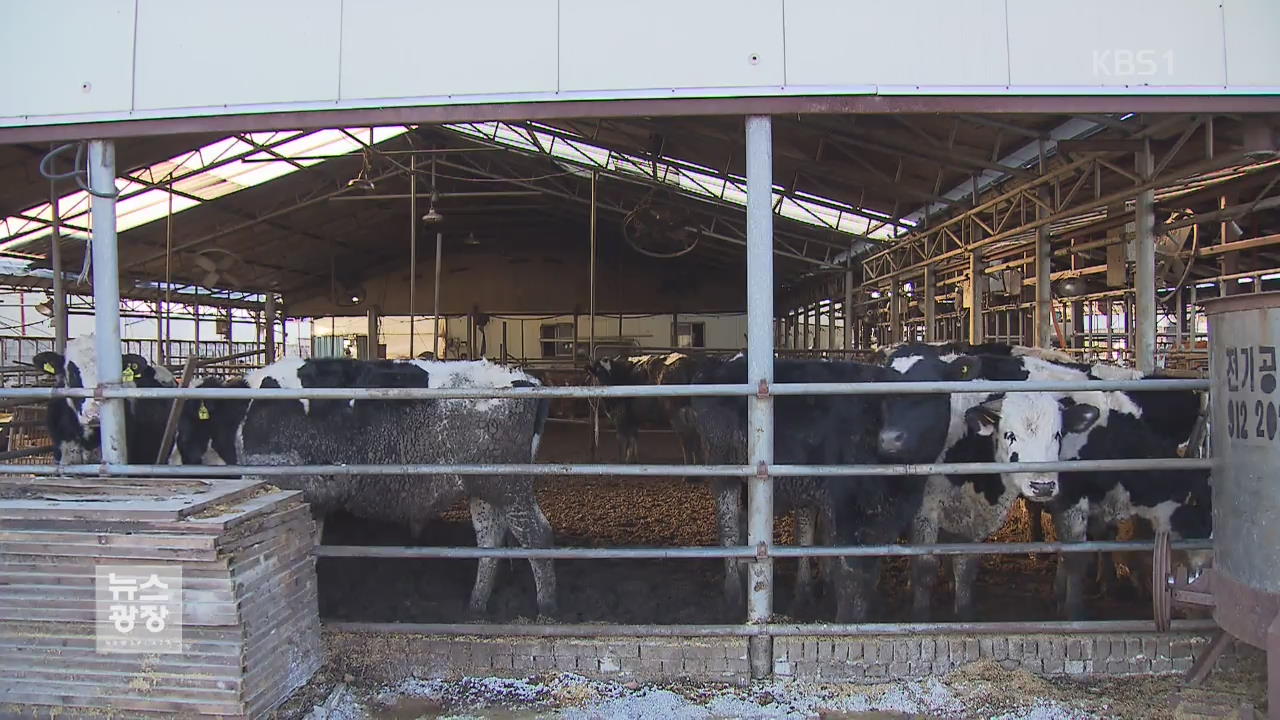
[[765, 630], [609, 391], [702, 552], [834, 471]]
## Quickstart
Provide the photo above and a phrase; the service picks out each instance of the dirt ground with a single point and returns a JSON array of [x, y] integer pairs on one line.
[[634, 511], [979, 691]]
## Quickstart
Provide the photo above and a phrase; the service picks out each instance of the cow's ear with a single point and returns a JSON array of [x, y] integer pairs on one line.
[[1080, 417], [965, 367], [982, 420], [599, 369], [49, 363]]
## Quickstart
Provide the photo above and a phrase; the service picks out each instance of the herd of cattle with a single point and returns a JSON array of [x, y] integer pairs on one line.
[[896, 429]]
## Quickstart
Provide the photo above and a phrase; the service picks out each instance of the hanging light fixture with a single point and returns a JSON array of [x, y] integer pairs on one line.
[[45, 308], [362, 179], [432, 215]]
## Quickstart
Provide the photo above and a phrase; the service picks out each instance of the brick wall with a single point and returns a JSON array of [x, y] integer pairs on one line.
[[880, 658], [393, 657]]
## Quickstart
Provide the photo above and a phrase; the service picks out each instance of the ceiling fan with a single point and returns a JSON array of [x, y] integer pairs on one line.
[[218, 268], [660, 230]]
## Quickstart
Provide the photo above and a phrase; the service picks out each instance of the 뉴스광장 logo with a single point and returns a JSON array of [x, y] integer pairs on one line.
[[138, 608]]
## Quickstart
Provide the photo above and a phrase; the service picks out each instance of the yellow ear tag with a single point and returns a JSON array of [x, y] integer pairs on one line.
[[127, 375], [964, 371], [48, 367], [203, 412]]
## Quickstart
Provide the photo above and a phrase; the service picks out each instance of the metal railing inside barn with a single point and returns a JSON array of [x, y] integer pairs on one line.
[[758, 472]]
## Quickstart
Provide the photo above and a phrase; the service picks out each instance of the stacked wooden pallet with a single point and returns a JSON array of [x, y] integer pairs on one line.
[[250, 625]]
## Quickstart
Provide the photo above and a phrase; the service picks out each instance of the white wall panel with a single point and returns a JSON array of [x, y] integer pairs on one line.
[[622, 45], [1116, 43], [197, 53], [1253, 42], [410, 48], [907, 42], [73, 56]]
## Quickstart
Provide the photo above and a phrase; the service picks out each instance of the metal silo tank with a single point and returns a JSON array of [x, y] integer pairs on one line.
[[1244, 346]]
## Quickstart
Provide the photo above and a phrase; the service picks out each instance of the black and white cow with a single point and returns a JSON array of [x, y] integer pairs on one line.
[[825, 429], [207, 428], [628, 415], [1094, 503], [1010, 427], [462, 431], [73, 422]]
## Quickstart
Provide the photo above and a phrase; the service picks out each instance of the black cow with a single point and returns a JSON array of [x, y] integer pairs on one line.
[[207, 428], [628, 415], [464, 431], [73, 422], [825, 429]]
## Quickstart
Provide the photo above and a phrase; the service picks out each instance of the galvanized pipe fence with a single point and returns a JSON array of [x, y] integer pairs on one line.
[[747, 552]]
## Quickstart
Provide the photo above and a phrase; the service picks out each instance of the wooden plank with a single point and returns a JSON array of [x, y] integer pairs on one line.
[[118, 552], [230, 666], [171, 540], [156, 679], [163, 508], [192, 615], [65, 697]]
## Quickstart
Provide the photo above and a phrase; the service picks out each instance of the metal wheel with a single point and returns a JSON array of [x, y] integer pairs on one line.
[[1161, 590]]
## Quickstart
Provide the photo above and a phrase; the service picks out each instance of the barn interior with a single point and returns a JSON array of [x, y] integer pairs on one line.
[[544, 244]]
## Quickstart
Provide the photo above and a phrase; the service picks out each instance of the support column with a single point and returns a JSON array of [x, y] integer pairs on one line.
[[1145, 269], [848, 306], [1229, 264], [1044, 291], [106, 294], [895, 312], [929, 300], [591, 310], [974, 293], [371, 333], [760, 373], [55, 262], [437, 351], [269, 321], [413, 255], [195, 318]]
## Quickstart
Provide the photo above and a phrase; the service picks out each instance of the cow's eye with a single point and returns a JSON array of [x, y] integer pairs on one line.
[[1010, 437]]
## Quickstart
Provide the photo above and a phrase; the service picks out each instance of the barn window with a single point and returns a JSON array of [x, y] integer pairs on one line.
[[691, 334], [557, 340]]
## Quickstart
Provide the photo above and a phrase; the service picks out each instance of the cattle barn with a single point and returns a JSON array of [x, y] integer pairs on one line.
[[727, 349]]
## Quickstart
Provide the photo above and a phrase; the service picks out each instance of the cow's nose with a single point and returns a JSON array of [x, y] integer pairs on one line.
[[1044, 488], [891, 441]]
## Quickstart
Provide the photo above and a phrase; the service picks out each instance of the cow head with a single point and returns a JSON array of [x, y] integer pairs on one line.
[[609, 371], [914, 427], [79, 369], [1028, 427]]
